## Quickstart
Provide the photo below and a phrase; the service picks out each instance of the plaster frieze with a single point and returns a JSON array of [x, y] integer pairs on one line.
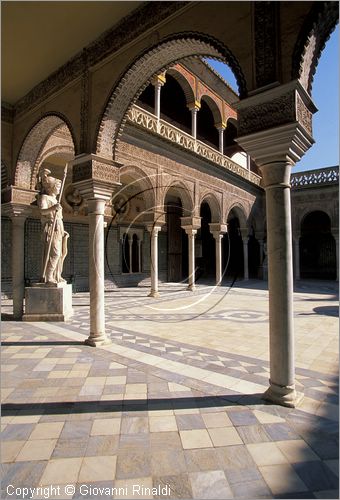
[[95, 177], [15, 195], [276, 106]]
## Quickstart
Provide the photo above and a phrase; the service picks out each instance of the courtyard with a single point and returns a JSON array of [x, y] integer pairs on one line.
[[172, 407]]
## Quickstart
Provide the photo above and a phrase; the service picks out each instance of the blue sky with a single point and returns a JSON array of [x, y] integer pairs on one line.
[[325, 94]]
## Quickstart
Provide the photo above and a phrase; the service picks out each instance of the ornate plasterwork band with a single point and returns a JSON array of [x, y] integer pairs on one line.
[[315, 32], [275, 107], [95, 177], [265, 34], [19, 196]]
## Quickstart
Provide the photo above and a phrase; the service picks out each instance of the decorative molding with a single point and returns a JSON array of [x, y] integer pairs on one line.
[[146, 120], [135, 79], [89, 166], [7, 112], [15, 195], [304, 115], [127, 30], [317, 177], [265, 34], [278, 106], [276, 112], [316, 30], [84, 106]]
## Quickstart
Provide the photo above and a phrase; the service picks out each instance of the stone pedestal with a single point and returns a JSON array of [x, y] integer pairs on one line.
[[48, 302]]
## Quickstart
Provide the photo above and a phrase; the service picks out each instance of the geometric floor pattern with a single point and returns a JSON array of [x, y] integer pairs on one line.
[[167, 411]]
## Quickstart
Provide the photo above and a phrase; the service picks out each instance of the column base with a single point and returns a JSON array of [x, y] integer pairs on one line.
[[98, 341], [283, 395], [191, 288], [154, 294]]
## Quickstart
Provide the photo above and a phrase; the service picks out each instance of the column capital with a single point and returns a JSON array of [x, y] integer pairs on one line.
[[194, 106], [95, 176], [159, 79], [190, 231], [152, 229], [218, 229], [190, 223], [244, 233], [221, 125], [276, 124]]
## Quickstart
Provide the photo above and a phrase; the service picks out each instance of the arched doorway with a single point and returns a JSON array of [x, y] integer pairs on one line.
[[177, 244], [233, 264], [205, 246], [317, 247]]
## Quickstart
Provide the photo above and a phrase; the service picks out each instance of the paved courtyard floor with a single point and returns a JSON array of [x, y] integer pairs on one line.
[[172, 408]]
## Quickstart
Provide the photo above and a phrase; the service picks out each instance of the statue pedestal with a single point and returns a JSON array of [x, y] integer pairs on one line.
[[48, 302]]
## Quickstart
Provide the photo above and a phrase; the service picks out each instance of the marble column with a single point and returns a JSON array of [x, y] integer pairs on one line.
[[218, 230], [139, 242], [130, 252], [154, 230], [276, 142], [191, 254], [297, 256], [221, 128], [158, 82], [96, 178], [18, 264], [194, 107], [96, 273]]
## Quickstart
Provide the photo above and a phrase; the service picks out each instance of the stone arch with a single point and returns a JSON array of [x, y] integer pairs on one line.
[[144, 182], [184, 192], [316, 208], [316, 30], [185, 84], [214, 205], [241, 212], [214, 108], [33, 145], [138, 75]]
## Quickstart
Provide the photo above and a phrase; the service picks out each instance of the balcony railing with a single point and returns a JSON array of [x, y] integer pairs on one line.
[[321, 176], [148, 121]]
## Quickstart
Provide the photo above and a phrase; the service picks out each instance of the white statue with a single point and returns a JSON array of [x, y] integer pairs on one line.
[[54, 236]]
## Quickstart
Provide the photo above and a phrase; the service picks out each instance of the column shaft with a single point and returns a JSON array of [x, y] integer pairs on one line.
[[96, 271], [18, 265], [130, 254], [297, 257], [280, 279], [194, 122], [154, 261], [158, 87], [218, 250], [139, 256], [221, 140], [191, 236]]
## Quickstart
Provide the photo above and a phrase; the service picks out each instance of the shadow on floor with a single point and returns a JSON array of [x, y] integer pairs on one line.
[[39, 343], [132, 405]]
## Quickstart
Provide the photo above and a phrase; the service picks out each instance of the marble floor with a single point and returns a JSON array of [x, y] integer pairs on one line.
[[172, 408]]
